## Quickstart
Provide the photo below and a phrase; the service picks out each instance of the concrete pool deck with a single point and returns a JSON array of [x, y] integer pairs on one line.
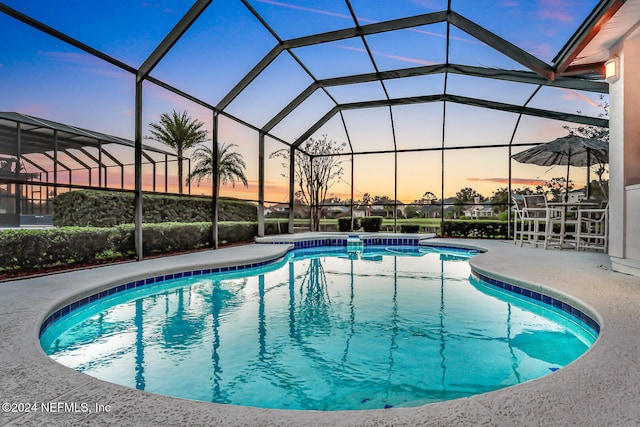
[[600, 388]]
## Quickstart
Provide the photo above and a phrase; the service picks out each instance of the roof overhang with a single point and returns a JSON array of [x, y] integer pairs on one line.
[[588, 49]]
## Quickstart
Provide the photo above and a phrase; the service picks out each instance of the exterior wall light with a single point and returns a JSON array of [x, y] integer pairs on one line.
[[612, 69]]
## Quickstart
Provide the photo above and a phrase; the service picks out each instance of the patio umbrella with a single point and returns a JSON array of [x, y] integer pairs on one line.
[[570, 150]]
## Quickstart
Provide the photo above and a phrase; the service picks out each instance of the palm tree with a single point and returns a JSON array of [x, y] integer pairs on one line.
[[231, 166], [180, 132]]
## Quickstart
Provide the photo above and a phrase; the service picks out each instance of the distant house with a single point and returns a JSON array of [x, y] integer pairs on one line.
[[334, 210], [479, 211], [359, 213], [430, 211], [576, 196], [281, 210], [379, 210], [385, 209], [435, 209]]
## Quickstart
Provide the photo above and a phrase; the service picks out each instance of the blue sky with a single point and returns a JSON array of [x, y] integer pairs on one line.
[[44, 77]]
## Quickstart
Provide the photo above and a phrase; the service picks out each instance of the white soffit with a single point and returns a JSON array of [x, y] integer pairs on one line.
[[620, 26]]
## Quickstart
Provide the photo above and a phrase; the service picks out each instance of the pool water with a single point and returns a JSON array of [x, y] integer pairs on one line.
[[322, 329]]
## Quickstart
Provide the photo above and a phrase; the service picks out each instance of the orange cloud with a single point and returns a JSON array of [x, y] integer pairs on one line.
[[573, 95], [518, 181]]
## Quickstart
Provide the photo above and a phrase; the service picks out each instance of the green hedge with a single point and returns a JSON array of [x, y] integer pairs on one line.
[[31, 250], [408, 228], [371, 223], [476, 229], [275, 227], [344, 224], [91, 208], [34, 249]]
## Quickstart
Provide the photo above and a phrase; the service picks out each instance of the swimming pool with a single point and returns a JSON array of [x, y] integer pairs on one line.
[[321, 329]]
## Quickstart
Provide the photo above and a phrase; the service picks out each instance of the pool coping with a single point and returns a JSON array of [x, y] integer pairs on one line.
[[599, 388]]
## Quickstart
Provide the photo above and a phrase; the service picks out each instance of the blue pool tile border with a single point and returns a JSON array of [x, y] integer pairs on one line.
[[545, 299], [56, 315], [342, 241]]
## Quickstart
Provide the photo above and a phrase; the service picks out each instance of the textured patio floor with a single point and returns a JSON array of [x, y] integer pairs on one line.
[[601, 388]]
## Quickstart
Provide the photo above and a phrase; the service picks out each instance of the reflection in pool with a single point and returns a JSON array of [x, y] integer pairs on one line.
[[321, 329]]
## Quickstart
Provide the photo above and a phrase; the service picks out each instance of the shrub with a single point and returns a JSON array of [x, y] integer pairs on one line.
[[94, 208], [31, 250], [475, 229], [407, 228], [122, 239], [229, 232], [161, 238], [344, 224], [276, 227], [371, 223]]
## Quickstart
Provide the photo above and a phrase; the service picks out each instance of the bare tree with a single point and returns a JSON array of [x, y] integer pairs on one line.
[[595, 132], [315, 172], [555, 187]]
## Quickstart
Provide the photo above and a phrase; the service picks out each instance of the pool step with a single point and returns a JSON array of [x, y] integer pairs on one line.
[[354, 243]]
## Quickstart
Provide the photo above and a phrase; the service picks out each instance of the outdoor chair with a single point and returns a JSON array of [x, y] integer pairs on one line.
[[593, 229], [535, 217], [518, 209]]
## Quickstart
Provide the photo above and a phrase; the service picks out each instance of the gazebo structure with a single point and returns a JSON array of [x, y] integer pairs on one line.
[[418, 93]]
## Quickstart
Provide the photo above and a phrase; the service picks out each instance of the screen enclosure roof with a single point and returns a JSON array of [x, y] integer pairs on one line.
[[381, 76]]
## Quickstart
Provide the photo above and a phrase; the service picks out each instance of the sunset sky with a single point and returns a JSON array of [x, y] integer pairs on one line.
[[43, 77]]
